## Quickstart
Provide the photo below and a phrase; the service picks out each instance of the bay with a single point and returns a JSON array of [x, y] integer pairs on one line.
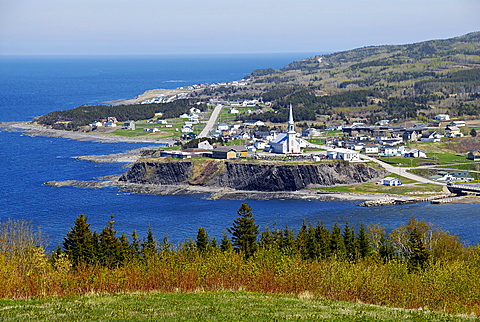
[[32, 86]]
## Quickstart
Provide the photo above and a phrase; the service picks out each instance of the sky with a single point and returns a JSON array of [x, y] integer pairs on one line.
[[80, 27]]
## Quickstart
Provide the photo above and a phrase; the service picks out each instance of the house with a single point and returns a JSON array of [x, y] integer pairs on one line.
[[452, 176], [96, 124], [458, 123], [415, 153], [129, 125], [390, 181], [431, 136], [233, 110], [370, 148], [474, 155], [229, 152], [410, 135], [223, 127], [253, 123], [442, 117], [205, 145], [259, 145], [452, 131], [311, 132], [389, 150], [162, 121], [343, 154]]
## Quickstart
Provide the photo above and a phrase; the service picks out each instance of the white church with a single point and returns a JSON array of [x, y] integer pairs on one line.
[[288, 143]]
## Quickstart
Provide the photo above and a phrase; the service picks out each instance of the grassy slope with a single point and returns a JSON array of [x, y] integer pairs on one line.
[[219, 306]]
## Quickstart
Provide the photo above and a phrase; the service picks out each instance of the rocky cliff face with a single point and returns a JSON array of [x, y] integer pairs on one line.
[[251, 176]]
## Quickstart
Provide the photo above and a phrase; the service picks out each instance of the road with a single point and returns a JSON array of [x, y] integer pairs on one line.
[[211, 122], [400, 171]]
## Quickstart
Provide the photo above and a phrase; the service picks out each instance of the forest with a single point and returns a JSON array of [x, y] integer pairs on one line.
[[415, 265], [86, 114]]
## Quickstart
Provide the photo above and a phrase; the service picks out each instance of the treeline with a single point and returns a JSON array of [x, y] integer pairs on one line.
[[416, 243], [86, 114], [416, 265]]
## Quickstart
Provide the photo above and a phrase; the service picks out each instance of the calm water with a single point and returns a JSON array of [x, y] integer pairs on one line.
[[32, 86]]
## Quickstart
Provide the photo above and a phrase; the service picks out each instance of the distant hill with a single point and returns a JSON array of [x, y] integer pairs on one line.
[[391, 81]]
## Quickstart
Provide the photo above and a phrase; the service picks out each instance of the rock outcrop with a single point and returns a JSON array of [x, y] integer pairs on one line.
[[250, 176]]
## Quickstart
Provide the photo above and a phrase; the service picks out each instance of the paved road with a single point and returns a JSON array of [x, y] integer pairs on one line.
[[400, 171], [211, 122]]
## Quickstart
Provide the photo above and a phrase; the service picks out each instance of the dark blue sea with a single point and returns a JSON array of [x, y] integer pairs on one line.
[[32, 86]]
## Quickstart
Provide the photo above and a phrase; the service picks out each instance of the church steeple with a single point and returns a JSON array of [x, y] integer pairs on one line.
[[291, 124]]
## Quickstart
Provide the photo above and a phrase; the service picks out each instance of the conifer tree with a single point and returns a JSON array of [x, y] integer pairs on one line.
[[79, 244], [266, 239], [109, 247], [225, 243], [244, 231], [149, 246], [363, 241], [323, 238], [202, 240], [301, 241], [350, 242], [134, 247], [337, 247], [288, 240], [419, 256]]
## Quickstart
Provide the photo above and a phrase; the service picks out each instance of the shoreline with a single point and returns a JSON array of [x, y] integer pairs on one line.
[[38, 130]]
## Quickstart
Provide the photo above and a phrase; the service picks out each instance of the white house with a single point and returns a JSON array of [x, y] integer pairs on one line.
[[233, 110], [458, 123], [442, 117], [223, 127], [205, 145], [370, 148], [253, 123], [389, 150], [415, 153], [260, 145], [390, 181], [343, 154], [287, 142], [452, 131], [431, 136]]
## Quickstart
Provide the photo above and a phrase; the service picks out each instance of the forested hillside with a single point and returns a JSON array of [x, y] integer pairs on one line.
[[395, 81]]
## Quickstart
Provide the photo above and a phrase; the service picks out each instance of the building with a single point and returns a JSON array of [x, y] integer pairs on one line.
[[129, 125], [474, 155], [229, 152], [390, 181], [343, 154], [287, 143], [442, 117]]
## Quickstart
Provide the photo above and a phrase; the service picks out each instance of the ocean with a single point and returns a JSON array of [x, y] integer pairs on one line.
[[35, 85]]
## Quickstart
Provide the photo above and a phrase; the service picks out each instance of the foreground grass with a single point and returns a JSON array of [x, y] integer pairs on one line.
[[218, 306]]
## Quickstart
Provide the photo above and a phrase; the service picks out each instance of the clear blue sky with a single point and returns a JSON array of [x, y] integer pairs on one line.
[[213, 26]]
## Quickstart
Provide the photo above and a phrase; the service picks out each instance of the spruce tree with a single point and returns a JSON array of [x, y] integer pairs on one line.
[[225, 243], [109, 247], [419, 256], [79, 244], [363, 241], [149, 246], [350, 242], [337, 247], [244, 231], [202, 240], [323, 238]]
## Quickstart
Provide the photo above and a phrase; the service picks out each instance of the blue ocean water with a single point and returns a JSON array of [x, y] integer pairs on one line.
[[32, 86]]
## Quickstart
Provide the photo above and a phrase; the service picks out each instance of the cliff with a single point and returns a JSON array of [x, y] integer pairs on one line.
[[249, 176]]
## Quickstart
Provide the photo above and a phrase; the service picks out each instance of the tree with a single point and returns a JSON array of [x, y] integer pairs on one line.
[[202, 240], [244, 231], [337, 247], [149, 246], [225, 243], [473, 132], [109, 246], [364, 247], [418, 259], [79, 244]]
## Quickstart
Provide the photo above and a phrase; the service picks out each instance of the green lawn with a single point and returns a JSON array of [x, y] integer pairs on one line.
[[371, 187], [220, 306]]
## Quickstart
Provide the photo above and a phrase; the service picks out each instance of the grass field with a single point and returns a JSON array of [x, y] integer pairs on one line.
[[219, 306]]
